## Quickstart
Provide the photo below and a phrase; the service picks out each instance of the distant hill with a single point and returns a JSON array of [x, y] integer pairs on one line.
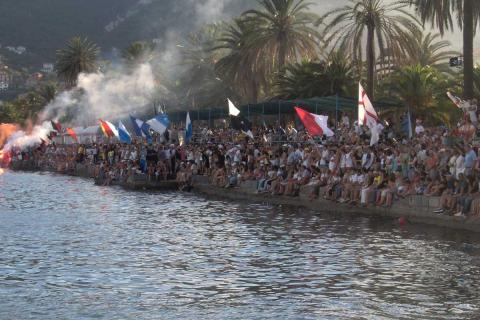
[[44, 26]]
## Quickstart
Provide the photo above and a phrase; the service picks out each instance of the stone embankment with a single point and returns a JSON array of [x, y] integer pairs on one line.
[[136, 182], [416, 209]]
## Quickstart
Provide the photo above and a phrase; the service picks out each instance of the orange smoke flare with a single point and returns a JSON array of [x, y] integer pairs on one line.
[[6, 130]]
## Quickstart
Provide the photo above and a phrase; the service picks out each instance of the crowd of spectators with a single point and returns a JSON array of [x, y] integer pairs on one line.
[[434, 162]]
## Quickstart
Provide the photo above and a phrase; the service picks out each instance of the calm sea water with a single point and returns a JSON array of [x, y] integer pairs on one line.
[[72, 250]]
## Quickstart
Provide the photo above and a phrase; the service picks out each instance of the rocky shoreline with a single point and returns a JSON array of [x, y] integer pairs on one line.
[[416, 209]]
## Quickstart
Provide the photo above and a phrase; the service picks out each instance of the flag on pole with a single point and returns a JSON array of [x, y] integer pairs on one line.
[[407, 126], [159, 124], [456, 100], [72, 134], [375, 131], [188, 129], [232, 110], [141, 128], [109, 129], [56, 126], [367, 116], [465, 106], [249, 134], [123, 134], [315, 124]]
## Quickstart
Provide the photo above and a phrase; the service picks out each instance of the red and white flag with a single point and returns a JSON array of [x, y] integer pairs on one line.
[[465, 106], [367, 116], [108, 128], [456, 100], [315, 124]]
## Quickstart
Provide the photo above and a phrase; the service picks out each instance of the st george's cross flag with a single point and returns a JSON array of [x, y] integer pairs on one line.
[[367, 116], [315, 124]]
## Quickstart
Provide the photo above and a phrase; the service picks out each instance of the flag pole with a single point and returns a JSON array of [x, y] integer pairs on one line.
[[279, 113], [209, 117], [336, 111]]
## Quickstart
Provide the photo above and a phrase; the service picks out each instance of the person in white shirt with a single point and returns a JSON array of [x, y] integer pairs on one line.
[[332, 165], [419, 129]]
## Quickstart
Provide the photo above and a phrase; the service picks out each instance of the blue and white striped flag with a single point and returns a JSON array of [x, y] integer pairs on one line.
[[188, 129], [141, 128], [159, 124], [123, 134]]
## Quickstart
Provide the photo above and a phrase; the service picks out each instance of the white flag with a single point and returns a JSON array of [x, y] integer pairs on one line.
[[375, 135], [232, 110]]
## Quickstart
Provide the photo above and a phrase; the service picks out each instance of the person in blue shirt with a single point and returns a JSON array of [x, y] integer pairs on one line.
[[470, 159]]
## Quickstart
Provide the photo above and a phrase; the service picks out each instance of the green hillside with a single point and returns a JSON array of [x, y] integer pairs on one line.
[[43, 26]]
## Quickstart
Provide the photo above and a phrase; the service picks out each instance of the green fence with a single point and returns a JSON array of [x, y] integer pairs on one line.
[[332, 105]]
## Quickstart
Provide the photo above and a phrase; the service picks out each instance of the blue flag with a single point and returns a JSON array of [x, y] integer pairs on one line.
[[159, 124], [188, 129], [141, 128], [407, 126], [123, 134]]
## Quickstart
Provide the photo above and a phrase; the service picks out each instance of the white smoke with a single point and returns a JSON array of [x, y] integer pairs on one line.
[[120, 91], [110, 95], [23, 140], [113, 94], [132, 11], [209, 11]]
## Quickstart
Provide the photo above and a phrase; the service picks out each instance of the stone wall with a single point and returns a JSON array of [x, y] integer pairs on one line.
[[415, 208], [418, 209]]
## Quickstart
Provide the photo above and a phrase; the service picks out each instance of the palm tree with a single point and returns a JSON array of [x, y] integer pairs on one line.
[[476, 80], [199, 85], [48, 92], [284, 31], [427, 50], [79, 56], [239, 64], [138, 53], [422, 89], [439, 13], [386, 25], [307, 79]]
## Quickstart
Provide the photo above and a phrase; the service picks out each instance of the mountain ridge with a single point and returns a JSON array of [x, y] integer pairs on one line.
[[43, 27]]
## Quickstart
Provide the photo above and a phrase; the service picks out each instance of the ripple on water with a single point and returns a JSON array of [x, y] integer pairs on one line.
[[74, 250]]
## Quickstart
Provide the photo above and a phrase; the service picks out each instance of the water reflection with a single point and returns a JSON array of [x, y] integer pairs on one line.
[[77, 251]]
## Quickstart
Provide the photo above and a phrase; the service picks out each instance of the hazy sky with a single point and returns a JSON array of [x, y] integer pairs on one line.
[[455, 37]]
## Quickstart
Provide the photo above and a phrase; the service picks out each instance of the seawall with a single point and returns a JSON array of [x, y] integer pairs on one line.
[[136, 182], [417, 209]]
